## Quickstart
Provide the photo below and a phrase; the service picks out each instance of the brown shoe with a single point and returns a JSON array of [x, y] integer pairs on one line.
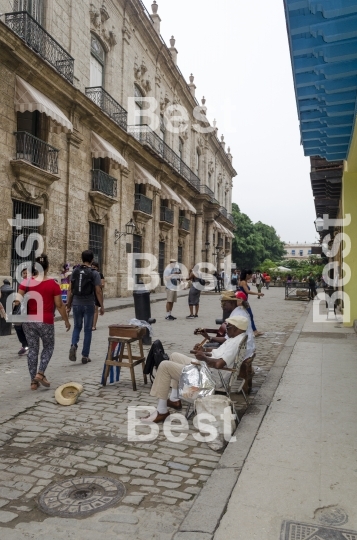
[[177, 405], [158, 420]]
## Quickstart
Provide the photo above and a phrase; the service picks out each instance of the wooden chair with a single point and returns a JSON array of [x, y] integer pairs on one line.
[[247, 373]]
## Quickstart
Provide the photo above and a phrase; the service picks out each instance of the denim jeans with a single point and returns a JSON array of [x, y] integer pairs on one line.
[[83, 314]]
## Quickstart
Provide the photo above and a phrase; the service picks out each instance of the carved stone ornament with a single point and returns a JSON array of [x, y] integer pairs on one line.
[[140, 71], [98, 19], [201, 142], [220, 178], [29, 193], [181, 242], [162, 237], [126, 30], [211, 167], [98, 213], [140, 229], [164, 101]]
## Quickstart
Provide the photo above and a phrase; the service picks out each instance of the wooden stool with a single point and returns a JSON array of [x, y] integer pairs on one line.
[[117, 361]]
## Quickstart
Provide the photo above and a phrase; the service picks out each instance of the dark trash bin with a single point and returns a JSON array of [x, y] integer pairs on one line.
[[143, 311], [6, 290]]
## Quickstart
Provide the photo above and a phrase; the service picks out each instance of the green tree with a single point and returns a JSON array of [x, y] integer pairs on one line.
[[254, 243]]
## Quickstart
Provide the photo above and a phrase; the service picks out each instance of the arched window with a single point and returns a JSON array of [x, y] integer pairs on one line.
[[139, 121], [97, 62], [33, 7]]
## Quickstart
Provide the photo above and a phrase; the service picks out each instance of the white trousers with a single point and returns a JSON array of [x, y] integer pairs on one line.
[[168, 375]]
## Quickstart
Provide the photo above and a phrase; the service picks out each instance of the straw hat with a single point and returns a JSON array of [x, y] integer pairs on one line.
[[238, 322], [68, 393], [228, 296]]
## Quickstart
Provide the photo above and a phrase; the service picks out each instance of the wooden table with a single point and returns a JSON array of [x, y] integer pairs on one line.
[[125, 353]]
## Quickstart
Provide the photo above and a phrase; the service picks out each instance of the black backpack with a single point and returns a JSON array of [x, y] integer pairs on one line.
[[155, 357], [82, 281]]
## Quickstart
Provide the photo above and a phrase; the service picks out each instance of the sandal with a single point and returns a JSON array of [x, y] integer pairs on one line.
[[41, 379], [34, 385]]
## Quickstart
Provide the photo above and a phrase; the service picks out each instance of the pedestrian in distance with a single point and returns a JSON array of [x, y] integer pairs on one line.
[[95, 267], [85, 286], [245, 277], [259, 282], [40, 326], [194, 294], [234, 279], [18, 327], [171, 288], [267, 281], [217, 282], [65, 281]]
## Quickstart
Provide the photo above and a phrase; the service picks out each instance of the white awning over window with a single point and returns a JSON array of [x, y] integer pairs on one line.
[[103, 149], [218, 226], [169, 193], [187, 205], [142, 176], [227, 232], [27, 98]]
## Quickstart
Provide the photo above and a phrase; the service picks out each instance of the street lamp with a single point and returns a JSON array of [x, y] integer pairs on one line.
[[319, 224], [129, 230]]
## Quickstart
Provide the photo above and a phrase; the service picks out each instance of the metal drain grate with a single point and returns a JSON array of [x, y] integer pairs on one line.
[[292, 530], [82, 496]]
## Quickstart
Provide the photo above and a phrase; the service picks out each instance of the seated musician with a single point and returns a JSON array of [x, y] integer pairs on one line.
[[169, 371]]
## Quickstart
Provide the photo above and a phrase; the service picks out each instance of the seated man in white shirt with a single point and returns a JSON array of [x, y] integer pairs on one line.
[[169, 371]]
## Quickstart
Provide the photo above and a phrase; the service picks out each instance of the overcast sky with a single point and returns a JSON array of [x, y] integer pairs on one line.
[[238, 52]]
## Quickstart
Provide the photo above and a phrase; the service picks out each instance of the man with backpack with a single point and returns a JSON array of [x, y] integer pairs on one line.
[[84, 283]]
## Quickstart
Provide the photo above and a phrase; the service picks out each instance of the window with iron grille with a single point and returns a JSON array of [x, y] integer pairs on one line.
[[180, 255], [96, 242], [161, 261], [24, 211]]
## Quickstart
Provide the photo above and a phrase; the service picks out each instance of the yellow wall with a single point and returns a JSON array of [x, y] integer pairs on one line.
[[349, 206]]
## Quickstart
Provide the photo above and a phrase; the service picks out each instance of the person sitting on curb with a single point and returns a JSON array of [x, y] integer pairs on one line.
[[169, 371]]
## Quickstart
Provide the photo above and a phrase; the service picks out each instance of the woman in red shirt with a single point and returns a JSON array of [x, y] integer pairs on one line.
[[43, 295]]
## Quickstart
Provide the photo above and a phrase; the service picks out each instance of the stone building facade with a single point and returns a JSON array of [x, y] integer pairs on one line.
[[78, 145]]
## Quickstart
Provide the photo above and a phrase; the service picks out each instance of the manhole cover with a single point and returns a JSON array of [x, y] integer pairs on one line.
[[80, 497], [292, 530]]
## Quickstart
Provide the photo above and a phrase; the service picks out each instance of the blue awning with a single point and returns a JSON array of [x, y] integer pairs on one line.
[[323, 47]]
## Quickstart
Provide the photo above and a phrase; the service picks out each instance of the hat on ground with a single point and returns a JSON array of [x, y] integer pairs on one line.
[[68, 393], [172, 260], [228, 296], [239, 322], [241, 295]]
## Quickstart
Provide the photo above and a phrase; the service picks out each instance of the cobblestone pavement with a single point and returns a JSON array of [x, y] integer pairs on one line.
[[42, 443]]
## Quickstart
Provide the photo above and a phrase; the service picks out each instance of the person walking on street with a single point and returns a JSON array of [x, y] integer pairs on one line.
[[267, 281], [95, 267], [85, 286], [245, 277], [171, 288], [19, 330], [217, 281], [234, 279], [41, 323], [194, 294], [258, 282], [312, 286]]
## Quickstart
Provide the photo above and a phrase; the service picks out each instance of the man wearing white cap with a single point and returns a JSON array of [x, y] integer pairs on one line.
[[171, 288], [169, 371]]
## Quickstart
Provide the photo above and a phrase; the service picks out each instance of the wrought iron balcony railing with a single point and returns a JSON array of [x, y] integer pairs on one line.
[[223, 211], [231, 218], [205, 190], [37, 152], [184, 223], [147, 137], [166, 215], [143, 204], [108, 105], [104, 183], [40, 41]]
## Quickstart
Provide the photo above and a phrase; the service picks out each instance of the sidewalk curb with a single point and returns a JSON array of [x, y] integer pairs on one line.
[[130, 304], [210, 505]]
